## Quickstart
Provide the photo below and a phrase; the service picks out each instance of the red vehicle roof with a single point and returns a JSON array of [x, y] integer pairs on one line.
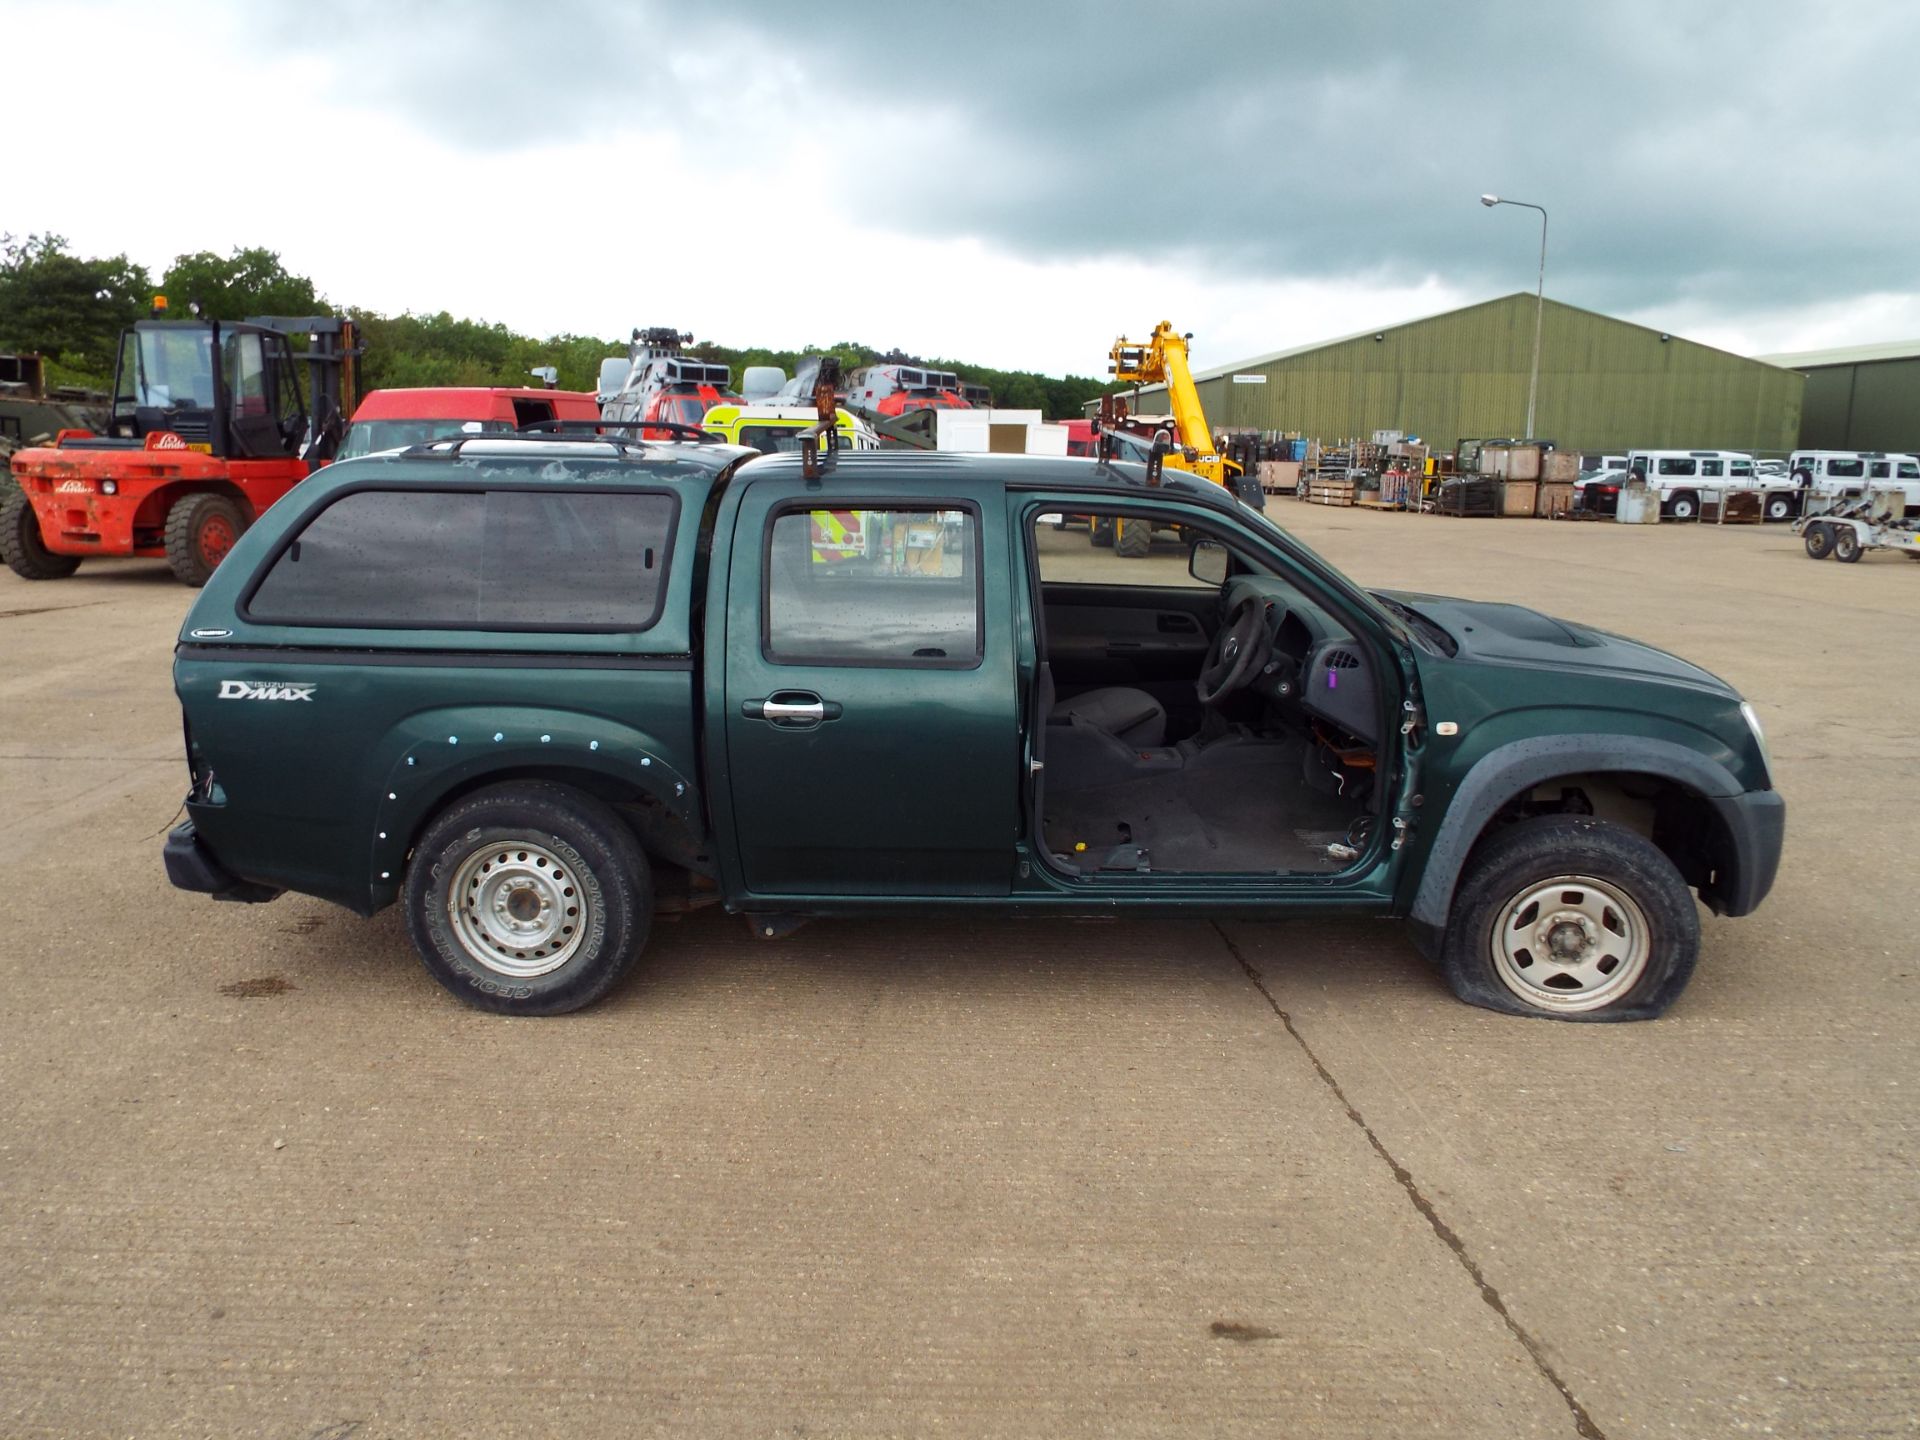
[[472, 402]]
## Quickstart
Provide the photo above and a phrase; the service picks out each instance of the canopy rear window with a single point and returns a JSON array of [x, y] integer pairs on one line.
[[546, 560]]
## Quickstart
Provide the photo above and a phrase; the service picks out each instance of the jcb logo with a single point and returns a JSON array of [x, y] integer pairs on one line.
[[264, 690]]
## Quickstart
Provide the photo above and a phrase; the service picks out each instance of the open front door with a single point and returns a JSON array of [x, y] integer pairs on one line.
[[870, 710]]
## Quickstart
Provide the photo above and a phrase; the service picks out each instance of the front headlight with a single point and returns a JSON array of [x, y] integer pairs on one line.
[[1759, 738]]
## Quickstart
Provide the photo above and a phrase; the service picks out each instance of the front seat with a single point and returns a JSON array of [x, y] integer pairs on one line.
[[1130, 715]]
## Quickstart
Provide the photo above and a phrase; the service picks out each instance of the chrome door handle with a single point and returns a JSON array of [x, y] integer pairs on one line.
[[816, 711], [794, 710]]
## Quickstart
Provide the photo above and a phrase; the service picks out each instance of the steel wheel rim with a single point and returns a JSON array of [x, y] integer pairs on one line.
[[1571, 944], [517, 909], [216, 539]]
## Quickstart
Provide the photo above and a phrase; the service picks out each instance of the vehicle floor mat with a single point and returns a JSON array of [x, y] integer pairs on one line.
[[1241, 811]]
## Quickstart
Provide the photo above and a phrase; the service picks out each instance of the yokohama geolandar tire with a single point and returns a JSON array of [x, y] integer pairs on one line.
[[529, 899], [22, 548], [201, 530], [1571, 918]]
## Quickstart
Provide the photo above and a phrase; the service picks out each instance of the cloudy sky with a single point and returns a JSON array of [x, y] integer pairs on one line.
[[1010, 183]]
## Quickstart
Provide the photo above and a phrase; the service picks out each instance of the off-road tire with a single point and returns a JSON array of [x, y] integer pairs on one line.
[[1100, 532], [1685, 505], [1525, 856], [1847, 548], [22, 548], [1133, 538], [604, 866], [1818, 538], [1777, 507], [200, 531]]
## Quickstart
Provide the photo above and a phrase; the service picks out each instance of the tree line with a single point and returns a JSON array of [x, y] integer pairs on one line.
[[71, 308]]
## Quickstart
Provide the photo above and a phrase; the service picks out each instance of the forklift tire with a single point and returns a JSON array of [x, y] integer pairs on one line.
[[1132, 539], [201, 530], [25, 552], [1847, 548], [1819, 541]]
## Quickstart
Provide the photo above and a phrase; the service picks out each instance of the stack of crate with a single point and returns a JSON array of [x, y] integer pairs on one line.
[[1557, 473]]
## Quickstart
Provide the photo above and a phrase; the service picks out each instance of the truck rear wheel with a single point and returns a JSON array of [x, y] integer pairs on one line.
[[25, 552], [528, 899], [1685, 506], [1779, 507], [201, 530], [1571, 918]]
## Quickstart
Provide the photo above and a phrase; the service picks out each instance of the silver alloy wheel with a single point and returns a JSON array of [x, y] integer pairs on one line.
[[1571, 944], [517, 909]]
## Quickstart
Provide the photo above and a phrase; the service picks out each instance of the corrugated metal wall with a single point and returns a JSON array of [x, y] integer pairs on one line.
[[1864, 406], [1604, 385]]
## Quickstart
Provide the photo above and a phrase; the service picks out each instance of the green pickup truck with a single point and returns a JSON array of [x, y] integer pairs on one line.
[[541, 689]]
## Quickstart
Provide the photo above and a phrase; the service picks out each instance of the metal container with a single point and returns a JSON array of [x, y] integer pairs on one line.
[[1519, 496], [1561, 465], [1639, 504]]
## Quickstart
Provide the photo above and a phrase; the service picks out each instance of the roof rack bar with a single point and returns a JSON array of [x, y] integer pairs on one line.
[[591, 429]]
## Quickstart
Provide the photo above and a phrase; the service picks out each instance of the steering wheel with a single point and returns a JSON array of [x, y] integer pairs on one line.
[[1240, 651]]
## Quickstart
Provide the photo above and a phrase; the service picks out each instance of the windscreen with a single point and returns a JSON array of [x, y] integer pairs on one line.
[[369, 437]]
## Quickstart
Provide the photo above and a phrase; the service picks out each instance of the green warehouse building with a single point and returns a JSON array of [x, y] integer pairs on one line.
[[1865, 397], [1605, 385]]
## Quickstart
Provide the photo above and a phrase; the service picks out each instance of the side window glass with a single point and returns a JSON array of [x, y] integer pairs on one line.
[[1672, 466], [1123, 549], [246, 375], [494, 560], [1709, 467], [1878, 470], [873, 587], [1846, 469]]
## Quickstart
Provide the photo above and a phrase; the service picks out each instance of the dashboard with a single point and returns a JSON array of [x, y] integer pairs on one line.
[[1316, 664]]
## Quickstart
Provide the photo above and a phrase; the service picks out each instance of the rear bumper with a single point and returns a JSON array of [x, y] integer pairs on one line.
[[1754, 828], [192, 866]]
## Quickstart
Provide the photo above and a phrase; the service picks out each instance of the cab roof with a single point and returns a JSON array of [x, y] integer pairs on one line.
[[563, 458]]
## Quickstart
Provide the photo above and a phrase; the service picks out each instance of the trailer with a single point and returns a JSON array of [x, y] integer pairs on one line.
[[1876, 520]]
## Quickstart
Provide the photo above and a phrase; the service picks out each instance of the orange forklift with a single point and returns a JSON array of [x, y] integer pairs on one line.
[[207, 428]]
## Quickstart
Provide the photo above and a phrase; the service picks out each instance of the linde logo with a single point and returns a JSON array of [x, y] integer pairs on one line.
[[265, 690]]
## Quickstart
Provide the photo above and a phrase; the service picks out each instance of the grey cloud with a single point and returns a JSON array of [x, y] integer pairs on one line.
[[1737, 154]]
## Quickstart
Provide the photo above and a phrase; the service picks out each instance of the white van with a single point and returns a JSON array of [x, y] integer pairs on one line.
[[1833, 475], [1685, 478]]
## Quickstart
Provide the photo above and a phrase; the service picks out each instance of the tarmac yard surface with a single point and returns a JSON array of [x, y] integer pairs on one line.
[[260, 1176]]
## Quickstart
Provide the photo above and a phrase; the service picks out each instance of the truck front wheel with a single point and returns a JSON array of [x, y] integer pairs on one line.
[[201, 530], [528, 899], [25, 552], [1571, 918]]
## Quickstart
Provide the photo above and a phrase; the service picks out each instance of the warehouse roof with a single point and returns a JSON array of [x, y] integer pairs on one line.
[[1215, 372], [1845, 355]]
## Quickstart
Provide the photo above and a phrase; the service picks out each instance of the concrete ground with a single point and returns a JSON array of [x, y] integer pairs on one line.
[[260, 1176]]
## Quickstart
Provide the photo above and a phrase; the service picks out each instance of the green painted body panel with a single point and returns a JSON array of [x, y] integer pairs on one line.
[[917, 792], [1605, 384]]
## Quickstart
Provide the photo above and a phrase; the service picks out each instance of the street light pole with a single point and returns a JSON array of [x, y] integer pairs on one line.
[[1539, 299]]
